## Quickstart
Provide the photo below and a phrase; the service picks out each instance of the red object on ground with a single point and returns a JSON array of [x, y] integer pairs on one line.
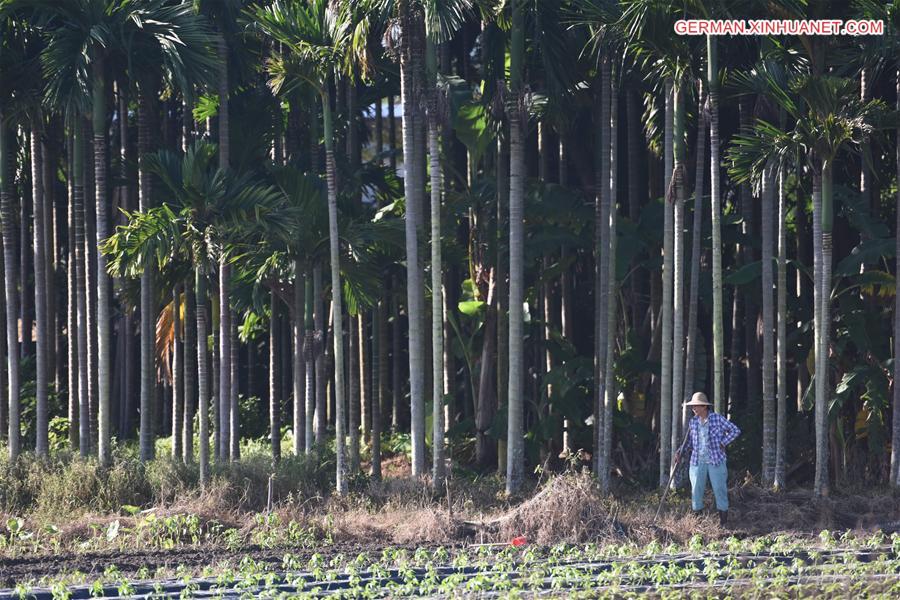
[[519, 541]]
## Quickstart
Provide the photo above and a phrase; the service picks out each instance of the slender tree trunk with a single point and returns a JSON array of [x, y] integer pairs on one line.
[[42, 447], [665, 402], [768, 318], [396, 383], [177, 377], [216, 367], [148, 312], [274, 395], [319, 346], [609, 398], [353, 365], [823, 388], [234, 414], [716, 219], [336, 300], [895, 430], [381, 368], [501, 292], [601, 277], [84, 440], [104, 315], [299, 362], [309, 364], [365, 380], [202, 376], [189, 352], [515, 449], [781, 359], [414, 189], [224, 360], [679, 155], [90, 282], [72, 372], [8, 209], [437, 295], [696, 251]]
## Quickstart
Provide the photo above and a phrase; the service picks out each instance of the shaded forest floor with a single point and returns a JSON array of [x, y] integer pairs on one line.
[[185, 530]]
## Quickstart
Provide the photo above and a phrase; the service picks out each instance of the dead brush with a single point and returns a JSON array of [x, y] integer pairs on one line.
[[569, 508]]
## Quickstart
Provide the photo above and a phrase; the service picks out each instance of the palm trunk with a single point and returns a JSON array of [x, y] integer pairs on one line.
[[148, 313], [601, 236], [319, 347], [104, 316], [42, 446], [90, 282], [665, 397], [224, 360], [768, 319], [823, 286], [696, 251], [84, 439], [679, 155], [274, 395], [234, 424], [396, 383], [299, 362], [380, 333], [202, 376], [190, 371], [177, 377], [515, 443], [309, 362], [437, 296], [895, 430], [72, 370], [336, 300], [353, 365], [10, 277], [414, 190], [365, 381], [781, 359], [609, 398], [501, 292], [716, 220]]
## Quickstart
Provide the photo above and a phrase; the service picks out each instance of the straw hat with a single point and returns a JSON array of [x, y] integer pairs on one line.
[[698, 399]]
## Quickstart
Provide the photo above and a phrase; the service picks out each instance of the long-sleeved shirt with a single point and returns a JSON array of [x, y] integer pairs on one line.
[[721, 433]]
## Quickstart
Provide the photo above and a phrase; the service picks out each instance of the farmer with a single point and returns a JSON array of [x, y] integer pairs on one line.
[[710, 433]]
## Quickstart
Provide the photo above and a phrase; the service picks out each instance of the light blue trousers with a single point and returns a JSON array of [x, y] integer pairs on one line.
[[718, 478]]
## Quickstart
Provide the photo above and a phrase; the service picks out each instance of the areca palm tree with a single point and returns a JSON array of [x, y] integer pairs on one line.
[[206, 206], [319, 33], [829, 118]]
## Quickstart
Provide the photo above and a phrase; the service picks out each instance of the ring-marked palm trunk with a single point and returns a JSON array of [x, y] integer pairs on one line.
[[768, 319], [310, 377], [274, 396], [823, 285], [665, 394], [437, 296], [679, 155], [410, 90], [336, 299], [515, 442], [696, 250], [781, 344], [319, 349], [601, 215], [299, 363], [42, 372], [10, 279], [190, 370], [716, 222], [895, 435], [148, 312], [202, 375], [609, 387], [84, 434], [104, 316]]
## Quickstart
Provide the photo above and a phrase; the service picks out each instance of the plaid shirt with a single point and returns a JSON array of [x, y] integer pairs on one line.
[[721, 433]]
